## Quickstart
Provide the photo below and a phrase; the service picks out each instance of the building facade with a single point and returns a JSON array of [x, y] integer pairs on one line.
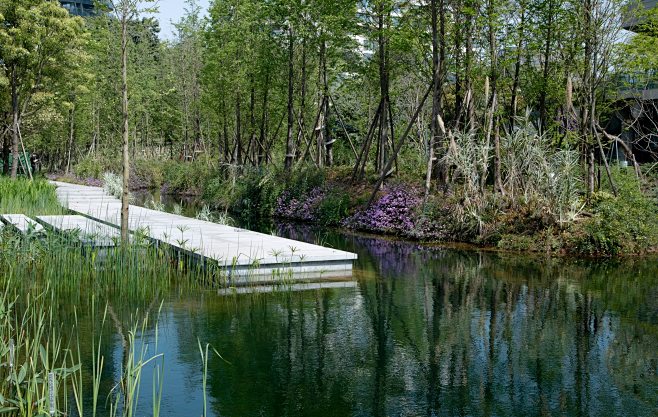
[[79, 7]]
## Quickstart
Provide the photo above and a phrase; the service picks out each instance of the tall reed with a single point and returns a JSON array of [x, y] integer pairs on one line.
[[22, 196]]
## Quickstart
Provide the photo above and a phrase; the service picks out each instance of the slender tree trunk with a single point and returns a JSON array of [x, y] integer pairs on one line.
[[227, 145], [301, 122], [493, 123], [382, 144], [71, 136], [252, 151], [469, 102], [125, 200], [517, 70], [290, 141], [327, 140], [543, 110], [237, 147], [438, 55], [5, 151], [15, 112], [498, 179], [262, 157], [588, 109]]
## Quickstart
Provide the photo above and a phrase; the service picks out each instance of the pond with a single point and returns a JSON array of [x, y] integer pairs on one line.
[[424, 331]]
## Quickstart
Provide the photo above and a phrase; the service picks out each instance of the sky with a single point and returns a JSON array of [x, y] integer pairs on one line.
[[173, 10]]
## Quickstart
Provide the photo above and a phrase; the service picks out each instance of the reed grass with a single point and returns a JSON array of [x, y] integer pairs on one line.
[[43, 373], [22, 196]]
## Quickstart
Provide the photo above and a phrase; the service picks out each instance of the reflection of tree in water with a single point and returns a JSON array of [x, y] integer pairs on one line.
[[519, 345], [441, 332]]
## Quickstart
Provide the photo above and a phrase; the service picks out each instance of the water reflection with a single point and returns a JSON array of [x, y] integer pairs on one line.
[[426, 332]]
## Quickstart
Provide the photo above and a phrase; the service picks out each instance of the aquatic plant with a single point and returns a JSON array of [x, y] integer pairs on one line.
[[154, 205]]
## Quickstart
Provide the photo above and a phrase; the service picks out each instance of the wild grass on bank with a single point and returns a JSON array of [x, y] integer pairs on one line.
[[22, 196]]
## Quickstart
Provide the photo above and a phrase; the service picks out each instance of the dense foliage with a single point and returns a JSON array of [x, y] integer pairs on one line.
[[477, 108]]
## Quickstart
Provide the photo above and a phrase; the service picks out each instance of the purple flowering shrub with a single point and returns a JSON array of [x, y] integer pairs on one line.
[[395, 212], [299, 207]]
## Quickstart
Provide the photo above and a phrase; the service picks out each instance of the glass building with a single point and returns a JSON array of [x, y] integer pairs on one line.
[[81, 7]]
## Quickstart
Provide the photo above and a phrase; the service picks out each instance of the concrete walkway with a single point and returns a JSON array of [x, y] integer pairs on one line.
[[243, 253]]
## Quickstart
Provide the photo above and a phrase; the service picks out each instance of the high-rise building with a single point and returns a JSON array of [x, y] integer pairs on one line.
[[79, 7]]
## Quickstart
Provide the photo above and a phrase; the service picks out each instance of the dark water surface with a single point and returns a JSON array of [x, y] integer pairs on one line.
[[425, 332]]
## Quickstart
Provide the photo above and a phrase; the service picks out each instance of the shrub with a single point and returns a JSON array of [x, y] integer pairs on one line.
[[186, 177], [146, 174], [95, 166], [304, 180], [291, 205], [393, 213], [627, 223], [256, 196], [113, 185], [334, 208]]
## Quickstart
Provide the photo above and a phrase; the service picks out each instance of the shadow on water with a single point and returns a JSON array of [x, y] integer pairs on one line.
[[425, 332]]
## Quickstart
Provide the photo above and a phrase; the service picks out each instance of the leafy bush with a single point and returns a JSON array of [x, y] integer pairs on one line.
[[186, 177], [95, 166], [146, 174], [256, 196], [333, 208], [304, 180], [113, 184], [624, 224]]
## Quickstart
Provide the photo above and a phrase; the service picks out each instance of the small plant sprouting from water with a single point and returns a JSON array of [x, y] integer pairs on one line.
[[155, 205], [204, 351], [206, 214]]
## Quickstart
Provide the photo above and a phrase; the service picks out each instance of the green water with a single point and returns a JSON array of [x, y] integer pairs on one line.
[[423, 332]]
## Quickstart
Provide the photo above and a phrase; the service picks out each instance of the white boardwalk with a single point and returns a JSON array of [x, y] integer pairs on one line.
[[23, 223], [90, 232], [243, 253]]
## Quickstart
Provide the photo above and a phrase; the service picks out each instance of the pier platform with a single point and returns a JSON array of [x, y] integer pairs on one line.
[[244, 255]]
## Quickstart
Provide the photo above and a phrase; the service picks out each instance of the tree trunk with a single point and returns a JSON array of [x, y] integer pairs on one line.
[[301, 122], [498, 180], [262, 157], [543, 110], [126, 134], [290, 144], [237, 146], [438, 55], [468, 60], [382, 143], [252, 152], [5, 152], [71, 136], [327, 140], [517, 72], [15, 112]]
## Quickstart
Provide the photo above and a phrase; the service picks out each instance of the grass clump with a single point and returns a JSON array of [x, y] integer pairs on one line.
[[22, 196]]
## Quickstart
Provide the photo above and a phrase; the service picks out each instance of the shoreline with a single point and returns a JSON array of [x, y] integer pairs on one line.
[[400, 212]]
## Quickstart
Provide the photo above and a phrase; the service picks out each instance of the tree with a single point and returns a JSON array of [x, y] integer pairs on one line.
[[125, 10], [40, 45]]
